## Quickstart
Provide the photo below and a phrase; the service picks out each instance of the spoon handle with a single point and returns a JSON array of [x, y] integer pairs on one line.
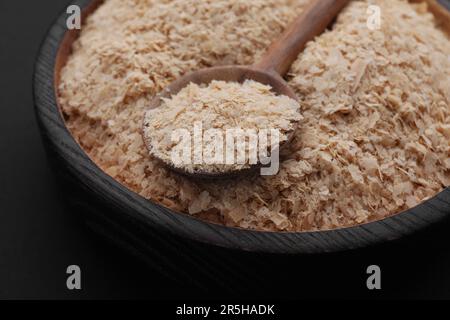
[[312, 22]]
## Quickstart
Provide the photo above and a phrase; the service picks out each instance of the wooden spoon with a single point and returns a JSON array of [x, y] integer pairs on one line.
[[269, 71]]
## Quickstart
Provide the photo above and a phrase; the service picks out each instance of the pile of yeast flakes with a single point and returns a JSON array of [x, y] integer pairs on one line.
[[212, 110], [376, 130]]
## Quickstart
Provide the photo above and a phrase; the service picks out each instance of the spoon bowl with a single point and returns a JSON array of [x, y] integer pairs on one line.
[[233, 73]]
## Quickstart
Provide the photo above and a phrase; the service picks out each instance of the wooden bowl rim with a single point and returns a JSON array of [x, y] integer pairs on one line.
[[151, 214]]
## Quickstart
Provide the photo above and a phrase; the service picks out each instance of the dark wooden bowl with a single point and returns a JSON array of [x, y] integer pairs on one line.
[[128, 218]]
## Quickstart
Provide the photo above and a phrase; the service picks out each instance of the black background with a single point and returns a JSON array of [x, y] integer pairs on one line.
[[40, 236]]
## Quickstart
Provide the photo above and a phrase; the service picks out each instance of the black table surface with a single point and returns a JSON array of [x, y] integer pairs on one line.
[[40, 236]]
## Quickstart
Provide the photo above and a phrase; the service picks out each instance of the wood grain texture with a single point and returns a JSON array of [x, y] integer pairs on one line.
[[139, 222]]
